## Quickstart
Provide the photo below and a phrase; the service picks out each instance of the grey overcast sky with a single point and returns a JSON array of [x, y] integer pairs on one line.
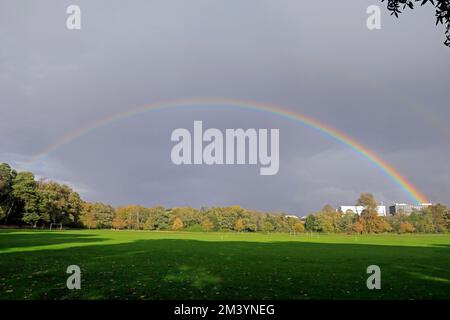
[[386, 88]]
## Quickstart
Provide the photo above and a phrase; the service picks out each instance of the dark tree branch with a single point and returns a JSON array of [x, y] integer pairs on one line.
[[442, 11]]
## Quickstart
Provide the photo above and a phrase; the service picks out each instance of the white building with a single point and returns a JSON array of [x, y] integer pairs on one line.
[[381, 210], [407, 209]]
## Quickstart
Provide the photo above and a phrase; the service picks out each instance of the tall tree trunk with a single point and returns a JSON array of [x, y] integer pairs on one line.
[[9, 212]]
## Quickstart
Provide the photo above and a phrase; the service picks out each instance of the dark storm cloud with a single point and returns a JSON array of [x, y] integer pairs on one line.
[[386, 88]]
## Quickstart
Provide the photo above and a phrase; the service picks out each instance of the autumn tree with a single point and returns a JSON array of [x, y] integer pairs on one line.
[[135, 216], [87, 216], [328, 208], [299, 227], [148, 225], [177, 224], [369, 218], [207, 225], [25, 200], [119, 221], [406, 227], [239, 225], [367, 200], [358, 227]]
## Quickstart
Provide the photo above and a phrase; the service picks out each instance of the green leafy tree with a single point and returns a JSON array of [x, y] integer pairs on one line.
[[188, 215], [59, 203], [311, 223], [24, 191], [397, 221], [346, 221], [160, 218], [103, 215], [226, 217], [267, 226], [440, 216], [422, 222], [325, 222], [7, 176], [249, 219]]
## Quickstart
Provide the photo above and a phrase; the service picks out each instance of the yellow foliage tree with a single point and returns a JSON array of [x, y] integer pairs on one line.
[[239, 225], [299, 227], [207, 224], [119, 223], [148, 225], [406, 227], [358, 227], [177, 224], [87, 216]]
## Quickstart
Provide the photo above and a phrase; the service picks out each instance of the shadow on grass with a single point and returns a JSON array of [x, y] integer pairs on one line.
[[192, 269], [22, 239]]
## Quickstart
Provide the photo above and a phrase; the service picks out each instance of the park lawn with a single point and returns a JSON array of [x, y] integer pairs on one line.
[[182, 265]]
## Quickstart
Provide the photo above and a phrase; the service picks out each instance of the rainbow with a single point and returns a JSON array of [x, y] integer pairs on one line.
[[386, 168]]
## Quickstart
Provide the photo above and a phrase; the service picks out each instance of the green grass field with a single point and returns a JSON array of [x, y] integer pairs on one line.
[[177, 265]]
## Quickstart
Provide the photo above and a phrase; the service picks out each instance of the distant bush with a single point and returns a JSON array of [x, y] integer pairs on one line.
[[195, 228]]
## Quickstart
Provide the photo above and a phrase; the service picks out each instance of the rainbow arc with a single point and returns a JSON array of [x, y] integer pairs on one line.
[[411, 190]]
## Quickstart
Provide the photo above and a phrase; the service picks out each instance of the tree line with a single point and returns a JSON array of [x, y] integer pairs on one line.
[[23, 200], [27, 201], [431, 219]]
